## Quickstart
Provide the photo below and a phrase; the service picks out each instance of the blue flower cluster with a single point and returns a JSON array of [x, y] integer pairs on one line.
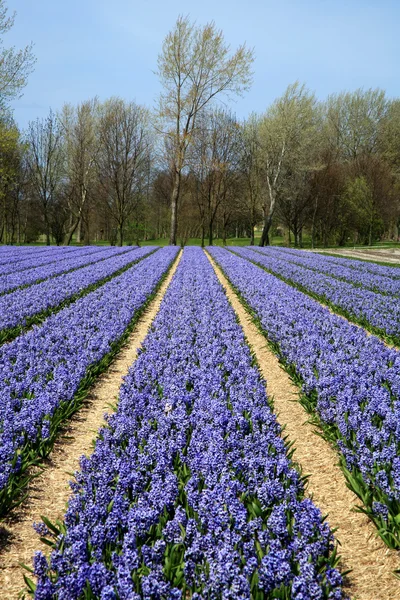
[[42, 370], [16, 307], [350, 379], [378, 312], [17, 259], [382, 283], [190, 491], [359, 265], [15, 278]]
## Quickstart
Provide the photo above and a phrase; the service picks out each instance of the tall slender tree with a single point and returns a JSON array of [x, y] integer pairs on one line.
[[195, 67], [251, 167], [81, 150], [287, 131]]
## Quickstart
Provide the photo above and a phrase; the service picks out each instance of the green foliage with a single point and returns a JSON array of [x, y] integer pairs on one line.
[[9, 154], [359, 200], [353, 120], [15, 65]]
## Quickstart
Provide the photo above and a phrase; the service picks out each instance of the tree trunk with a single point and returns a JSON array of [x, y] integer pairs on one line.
[[86, 237], [79, 232], [313, 223], [70, 233], [5, 219], [121, 234], [24, 229], [174, 208], [210, 233], [264, 241], [203, 235], [47, 226], [252, 235], [268, 214]]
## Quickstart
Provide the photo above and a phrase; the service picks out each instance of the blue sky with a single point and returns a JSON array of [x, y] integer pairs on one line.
[[109, 47]]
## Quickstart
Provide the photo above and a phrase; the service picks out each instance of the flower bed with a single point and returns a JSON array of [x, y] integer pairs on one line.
[[37, 259], [350, 380], [361, 264], [379, 283], [24, 307], [47, 371], [190, 491], [18, 254], [377, 313], [74, 260]]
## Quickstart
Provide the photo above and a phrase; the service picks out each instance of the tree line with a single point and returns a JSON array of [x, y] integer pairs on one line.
[[121, 172]]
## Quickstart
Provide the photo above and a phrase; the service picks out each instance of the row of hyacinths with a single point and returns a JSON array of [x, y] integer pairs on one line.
[[46, 372], [27, 256], [350, 381], [385, 281], [377, 312], [21, 307], [38, 268], [358, 264], [190, 491]]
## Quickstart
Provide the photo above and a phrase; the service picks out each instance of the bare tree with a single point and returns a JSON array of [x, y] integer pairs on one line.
[[194, 68], [123, 159], [215, 158], [82, 145], [389, 135], [45, 159]]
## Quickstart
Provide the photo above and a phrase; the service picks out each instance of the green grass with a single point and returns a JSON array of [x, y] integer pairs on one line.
[[276, 241]]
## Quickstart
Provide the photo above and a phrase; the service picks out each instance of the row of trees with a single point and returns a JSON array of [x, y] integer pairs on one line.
[[117, 171], [83, 171]]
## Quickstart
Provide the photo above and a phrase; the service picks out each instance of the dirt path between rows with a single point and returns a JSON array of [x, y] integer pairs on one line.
[[49, 493], [372, 563]]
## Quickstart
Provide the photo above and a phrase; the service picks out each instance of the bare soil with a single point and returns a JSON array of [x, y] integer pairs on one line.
[[49, 492], [371, 562]]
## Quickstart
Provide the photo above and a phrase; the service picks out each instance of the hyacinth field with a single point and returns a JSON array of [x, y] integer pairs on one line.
[[192, 489]]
